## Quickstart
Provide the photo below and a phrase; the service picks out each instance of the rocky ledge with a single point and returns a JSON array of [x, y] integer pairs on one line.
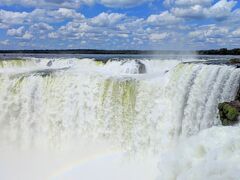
[[231, 62], [230, 111]]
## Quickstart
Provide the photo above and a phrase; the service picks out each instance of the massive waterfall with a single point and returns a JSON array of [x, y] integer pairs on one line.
[[53, 103]]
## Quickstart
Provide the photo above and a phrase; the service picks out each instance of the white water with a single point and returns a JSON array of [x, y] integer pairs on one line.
[[79, 110]]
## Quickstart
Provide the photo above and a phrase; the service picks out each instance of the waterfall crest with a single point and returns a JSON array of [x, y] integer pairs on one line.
[[44, 105]]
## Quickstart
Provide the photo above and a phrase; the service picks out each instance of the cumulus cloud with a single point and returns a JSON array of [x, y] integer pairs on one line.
[[27, 36], [5, 42], [16, 32], [123, 3], [195, 11], [202, 9], [53, 35], [61, 14], [188, 2], [221, 9], [41, 27], [236, 33], [74, 3], [105, 19], [38, 15], [3, 26], [47, 3], [163, 18], [20, 33], [178, 23], [158, 36], [210, 34], [9, 17]]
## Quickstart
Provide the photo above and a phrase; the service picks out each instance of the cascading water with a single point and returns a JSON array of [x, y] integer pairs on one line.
[[53, 105]]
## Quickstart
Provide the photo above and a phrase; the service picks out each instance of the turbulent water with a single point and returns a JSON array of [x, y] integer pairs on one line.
[[168, 111]]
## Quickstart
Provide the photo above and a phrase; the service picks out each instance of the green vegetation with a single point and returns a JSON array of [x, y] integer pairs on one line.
[[228, 113], [234, 61], [222, 51]]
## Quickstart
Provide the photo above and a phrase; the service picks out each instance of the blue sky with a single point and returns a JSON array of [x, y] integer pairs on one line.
[[119, 24]]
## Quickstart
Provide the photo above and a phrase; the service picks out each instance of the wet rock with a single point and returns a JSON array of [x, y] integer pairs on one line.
[[141, 67], [238, 96], [234, 61], [229, 112], [138, 68], [49, 64], [231, 62]]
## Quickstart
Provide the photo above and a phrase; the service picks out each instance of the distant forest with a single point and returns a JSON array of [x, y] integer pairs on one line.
[[223, 51]]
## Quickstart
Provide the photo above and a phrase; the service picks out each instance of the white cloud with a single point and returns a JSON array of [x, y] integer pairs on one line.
[[158, 36], [73, 3], [72, 27], [105, 19], [221, 9], [123, 3], [9, 17], [188, 2], [203, 9], [3, 26], [53, 35], [195, 11], [47, 3], [68, 26], [41, 27], [63, 13], [123, 35], [163, 18], [27, 36], [5, 42], [209, 33], [16, 32], [236, 33], [43, 15], [20, 33]]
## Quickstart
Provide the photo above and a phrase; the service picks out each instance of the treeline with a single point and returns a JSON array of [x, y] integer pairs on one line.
[[92, 51], [223, 51], [73, 51]]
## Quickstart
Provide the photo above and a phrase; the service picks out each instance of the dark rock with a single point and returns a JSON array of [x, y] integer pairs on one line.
[[229, 112], [231, 62], [141, 67], [234, 61], [238, 95], [49, 64]]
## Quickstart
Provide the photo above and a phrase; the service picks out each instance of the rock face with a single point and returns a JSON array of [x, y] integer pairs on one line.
[[141, 67], [137, 68], [49, 64], [234, 61], [229, 112]]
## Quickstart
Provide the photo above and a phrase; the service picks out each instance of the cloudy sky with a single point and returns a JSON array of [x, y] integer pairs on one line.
[[119, 24]]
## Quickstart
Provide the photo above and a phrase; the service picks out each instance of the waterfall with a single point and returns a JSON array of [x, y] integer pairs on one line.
[[42, 106]]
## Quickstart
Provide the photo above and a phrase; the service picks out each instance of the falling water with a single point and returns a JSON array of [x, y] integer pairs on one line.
[[51, 105]]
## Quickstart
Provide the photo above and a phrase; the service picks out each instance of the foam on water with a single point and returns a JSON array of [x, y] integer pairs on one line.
[[61, 105], [212, 154]]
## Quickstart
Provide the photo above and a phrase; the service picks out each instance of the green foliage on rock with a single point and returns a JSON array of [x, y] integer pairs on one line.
[[234, 61], [228, 113]]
